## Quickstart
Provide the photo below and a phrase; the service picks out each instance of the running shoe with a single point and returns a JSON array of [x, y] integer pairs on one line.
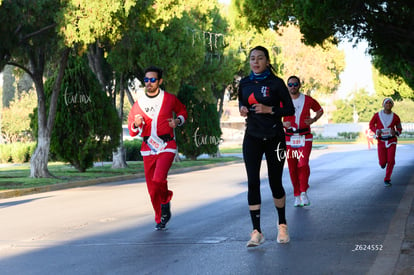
[[387, 183], [304, 198], [298, 201], [283, 234], [160, 227], [165, 213], [256, 239]]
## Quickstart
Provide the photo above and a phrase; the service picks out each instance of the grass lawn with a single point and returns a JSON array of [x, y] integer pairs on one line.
[[17, 176]]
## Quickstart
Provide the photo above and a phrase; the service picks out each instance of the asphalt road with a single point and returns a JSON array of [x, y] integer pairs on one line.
[[354, 225]]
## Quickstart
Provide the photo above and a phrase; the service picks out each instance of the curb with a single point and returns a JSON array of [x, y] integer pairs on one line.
[[74, 184]]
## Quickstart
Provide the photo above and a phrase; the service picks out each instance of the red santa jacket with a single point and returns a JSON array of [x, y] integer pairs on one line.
[[378, 123], [170, 104], [297, 121]]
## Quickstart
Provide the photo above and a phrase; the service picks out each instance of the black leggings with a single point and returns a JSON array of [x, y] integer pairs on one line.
[[274, 150]]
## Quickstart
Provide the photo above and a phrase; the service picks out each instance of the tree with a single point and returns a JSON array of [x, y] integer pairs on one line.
[[343, 112], [24, 84], [201, 134], [404, 110], [394, 87], [318, 67], [386, 25], [15, 119], [216, 73], [215, 70], [87, 125], [29, 41], [41, 32], [195, 58], [9, 89], [98, 25], [361, 103]]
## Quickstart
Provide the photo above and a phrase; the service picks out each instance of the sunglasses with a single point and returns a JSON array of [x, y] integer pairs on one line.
[[152, 79], [296, 84]]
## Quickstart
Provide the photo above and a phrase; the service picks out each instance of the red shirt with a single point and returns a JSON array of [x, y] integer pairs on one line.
[[302, 112], [169, 105], [377, 123]]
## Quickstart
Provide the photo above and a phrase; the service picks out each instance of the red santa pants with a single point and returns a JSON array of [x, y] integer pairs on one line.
[[386, 157], [156, 169], [298, 163]]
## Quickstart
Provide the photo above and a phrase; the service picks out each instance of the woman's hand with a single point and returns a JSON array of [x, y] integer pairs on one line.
[[262, 109], [244, 111]]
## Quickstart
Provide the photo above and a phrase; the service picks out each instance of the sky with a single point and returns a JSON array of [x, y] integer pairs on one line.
[[358, 70]]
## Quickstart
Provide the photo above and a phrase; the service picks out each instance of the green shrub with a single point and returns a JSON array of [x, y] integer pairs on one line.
[[5, 153], [17, 152], [406, 134], [349, 135], [132, 148]]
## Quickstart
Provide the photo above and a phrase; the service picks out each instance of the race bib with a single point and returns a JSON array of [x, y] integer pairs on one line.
[[156, 144], [297, 141], [386, 132]]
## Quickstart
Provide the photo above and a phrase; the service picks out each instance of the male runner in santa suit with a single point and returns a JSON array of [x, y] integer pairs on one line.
[[387, 126], [151, 117], [299, 139]]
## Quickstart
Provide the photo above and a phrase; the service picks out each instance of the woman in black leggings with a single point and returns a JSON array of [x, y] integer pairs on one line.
[[264, 99]]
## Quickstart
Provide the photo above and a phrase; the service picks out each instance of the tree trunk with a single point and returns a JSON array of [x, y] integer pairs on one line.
[[130, 97], [216, 154], [1, 134], [177, 157], [95, 57], [119, 158], [220, 103], [40, 158]]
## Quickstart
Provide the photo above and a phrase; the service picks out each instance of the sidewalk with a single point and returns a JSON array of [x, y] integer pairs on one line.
[[405, 264], [4, 194], [402, 228]]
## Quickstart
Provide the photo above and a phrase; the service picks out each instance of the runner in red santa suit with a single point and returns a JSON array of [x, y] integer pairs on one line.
[[387, 126], [152, 118], [299, 139], [370, 137]]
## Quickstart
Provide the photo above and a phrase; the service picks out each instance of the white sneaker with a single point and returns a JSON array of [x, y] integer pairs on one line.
[[298, 201], [256, 239], [304, 198], [283, 234]]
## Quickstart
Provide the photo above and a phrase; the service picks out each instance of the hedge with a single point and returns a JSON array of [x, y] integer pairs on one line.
[[22, 152]]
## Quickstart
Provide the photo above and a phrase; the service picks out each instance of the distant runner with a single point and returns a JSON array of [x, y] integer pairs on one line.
[[387, 127]]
